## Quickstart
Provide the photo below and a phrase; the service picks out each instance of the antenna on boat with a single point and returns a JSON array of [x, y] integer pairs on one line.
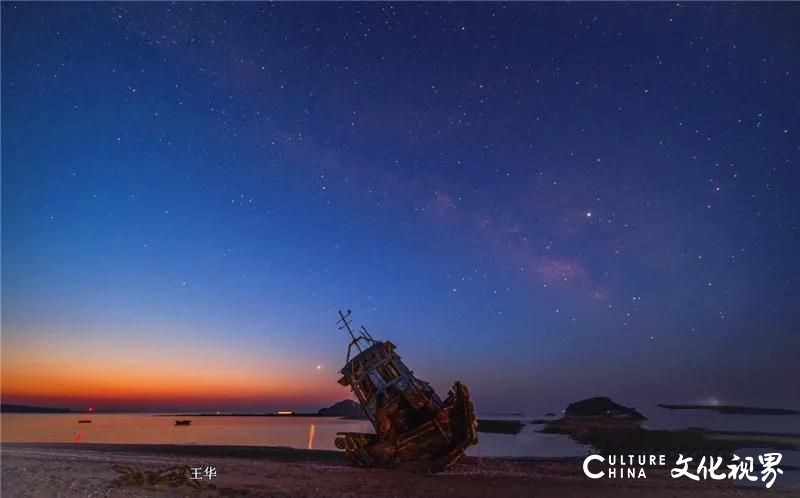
[[364, 331], [345, 323]]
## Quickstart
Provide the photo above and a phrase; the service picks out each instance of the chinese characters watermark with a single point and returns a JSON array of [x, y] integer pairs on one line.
[[199, 473], [739, 469], [708, 467]]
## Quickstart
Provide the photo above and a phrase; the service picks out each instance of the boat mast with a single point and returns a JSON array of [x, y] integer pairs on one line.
[[345, 323]]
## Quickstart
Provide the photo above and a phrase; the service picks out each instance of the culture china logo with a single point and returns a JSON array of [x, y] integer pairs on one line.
[[685, 467]]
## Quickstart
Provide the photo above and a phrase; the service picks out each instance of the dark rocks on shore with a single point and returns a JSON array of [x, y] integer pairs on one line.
[[500, 426], [610, 427], [602, 407], [345, 408]]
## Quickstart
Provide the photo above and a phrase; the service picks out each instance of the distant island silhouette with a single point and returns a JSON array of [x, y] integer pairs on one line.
[[345, 408], [8, 408], [733, 409]]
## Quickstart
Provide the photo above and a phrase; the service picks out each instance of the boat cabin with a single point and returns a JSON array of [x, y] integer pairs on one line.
[[377, 375]]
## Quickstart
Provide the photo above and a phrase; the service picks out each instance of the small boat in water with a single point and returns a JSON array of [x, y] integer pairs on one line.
[[84, 421], [183, 422]]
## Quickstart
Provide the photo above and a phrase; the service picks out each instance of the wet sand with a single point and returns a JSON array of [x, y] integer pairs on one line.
[[72, 470]]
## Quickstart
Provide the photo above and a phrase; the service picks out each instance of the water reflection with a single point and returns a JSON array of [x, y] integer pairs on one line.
[[312, 429]]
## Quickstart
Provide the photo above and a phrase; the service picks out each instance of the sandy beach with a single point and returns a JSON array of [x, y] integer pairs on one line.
[[68, 470]]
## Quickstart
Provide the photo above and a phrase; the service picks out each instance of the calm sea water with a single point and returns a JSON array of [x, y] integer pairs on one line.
[[660, 418], [295, 432], [320, 432]]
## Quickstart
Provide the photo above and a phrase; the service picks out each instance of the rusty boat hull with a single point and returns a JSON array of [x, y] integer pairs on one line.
[[430, 446], [413, 426]]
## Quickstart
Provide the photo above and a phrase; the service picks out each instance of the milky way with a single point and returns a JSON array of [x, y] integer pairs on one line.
[[544, 201]]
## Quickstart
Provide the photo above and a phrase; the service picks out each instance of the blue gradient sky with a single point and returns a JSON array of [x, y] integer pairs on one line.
[[543, 201]]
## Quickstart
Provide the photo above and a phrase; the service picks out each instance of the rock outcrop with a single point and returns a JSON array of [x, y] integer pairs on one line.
[[345, 408], [602, 407]]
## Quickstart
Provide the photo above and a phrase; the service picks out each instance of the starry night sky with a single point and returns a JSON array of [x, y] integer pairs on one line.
[[545, 201]]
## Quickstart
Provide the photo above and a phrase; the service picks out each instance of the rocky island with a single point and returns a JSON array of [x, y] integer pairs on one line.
[[611, 427]]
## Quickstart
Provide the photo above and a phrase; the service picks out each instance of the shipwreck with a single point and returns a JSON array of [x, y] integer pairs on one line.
[[413, 426]]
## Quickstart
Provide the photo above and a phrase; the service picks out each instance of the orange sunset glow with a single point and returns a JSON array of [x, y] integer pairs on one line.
[[110, 376]]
